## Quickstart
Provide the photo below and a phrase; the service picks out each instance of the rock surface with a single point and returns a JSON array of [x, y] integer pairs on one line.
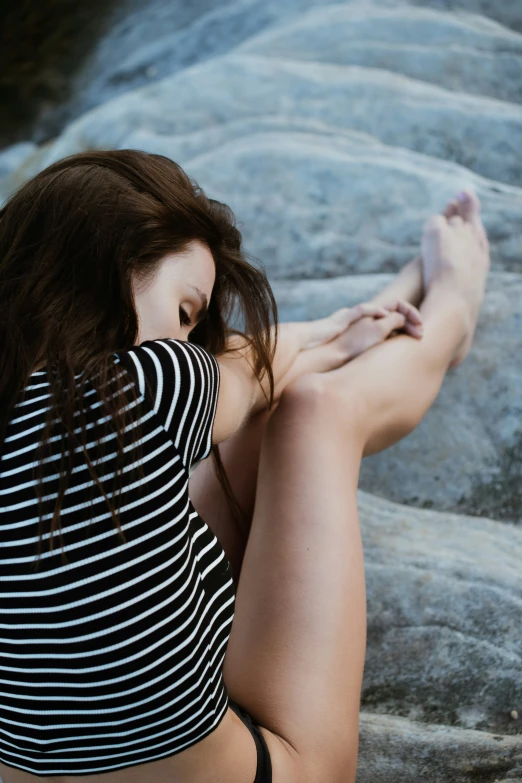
[[324, 203], [395, 749], [334, 131], [463, 52], [445, 596], [481, 133]]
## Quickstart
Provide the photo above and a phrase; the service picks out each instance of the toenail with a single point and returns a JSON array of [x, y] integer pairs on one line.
[[463, 196]]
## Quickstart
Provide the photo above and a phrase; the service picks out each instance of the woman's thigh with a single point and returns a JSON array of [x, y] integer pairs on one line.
[[296, 651], [240, 457]]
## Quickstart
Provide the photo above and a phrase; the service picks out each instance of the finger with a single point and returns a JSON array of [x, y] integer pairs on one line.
[[413, 330], [347, 316], [391, 322], [369, 309], [410, 311], [406, 308]]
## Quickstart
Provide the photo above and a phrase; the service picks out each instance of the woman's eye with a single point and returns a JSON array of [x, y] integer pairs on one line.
[[184, 318]]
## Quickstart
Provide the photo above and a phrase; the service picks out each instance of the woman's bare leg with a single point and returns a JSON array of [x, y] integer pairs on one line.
[[240, 453], [407, 284], [240, 457], [296, 651]]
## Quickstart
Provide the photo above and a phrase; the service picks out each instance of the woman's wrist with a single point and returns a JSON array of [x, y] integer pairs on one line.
[[302, 346]]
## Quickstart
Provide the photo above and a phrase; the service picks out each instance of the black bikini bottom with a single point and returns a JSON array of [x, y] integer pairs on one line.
[[264, 762]]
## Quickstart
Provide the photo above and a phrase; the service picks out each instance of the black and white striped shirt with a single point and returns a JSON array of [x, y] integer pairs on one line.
[[114, 659]]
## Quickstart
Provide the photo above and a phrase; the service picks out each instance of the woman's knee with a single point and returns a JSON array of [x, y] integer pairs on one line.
[[308, 388], [315, 389], [323, 394]]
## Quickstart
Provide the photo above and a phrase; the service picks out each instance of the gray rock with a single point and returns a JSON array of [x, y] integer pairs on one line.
[[168, 36], [324, 203], [507, 12], [461, 52], [165, 36], [444, 599], [400, 750], [483, 134], [11, 158], [171, 36]]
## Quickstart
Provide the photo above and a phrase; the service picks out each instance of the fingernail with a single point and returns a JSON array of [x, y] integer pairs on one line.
[[463, 196]]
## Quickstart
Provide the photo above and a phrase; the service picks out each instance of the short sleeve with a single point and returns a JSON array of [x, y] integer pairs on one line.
[[181, 382]]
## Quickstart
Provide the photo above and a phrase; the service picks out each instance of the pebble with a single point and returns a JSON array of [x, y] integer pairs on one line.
[[514, 714]]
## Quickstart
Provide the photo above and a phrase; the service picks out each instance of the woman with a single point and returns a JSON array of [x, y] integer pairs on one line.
[[224, 646]]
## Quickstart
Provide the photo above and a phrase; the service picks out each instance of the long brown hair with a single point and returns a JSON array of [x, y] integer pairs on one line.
[[71, 240]]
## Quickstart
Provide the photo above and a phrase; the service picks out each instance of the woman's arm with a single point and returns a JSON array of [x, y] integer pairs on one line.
[[240, 392]]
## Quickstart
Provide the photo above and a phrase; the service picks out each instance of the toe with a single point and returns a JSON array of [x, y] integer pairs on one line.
[[469, 210], [468, 205], [451, 210], [435, 226]]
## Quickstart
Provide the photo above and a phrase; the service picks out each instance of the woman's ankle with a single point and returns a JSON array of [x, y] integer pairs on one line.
[[446, 312], [407, 284]]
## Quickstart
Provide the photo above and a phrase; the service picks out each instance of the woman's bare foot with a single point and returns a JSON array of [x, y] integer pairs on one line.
[[455, 254]]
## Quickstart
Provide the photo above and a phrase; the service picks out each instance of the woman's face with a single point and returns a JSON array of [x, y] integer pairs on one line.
[[178, 295]]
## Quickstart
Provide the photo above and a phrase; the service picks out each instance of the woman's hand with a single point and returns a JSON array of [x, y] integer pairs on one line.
[[376, 322], [322, 330], [333, 341], [369, 331]]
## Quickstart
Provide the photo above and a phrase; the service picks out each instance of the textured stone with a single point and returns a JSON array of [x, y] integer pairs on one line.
[[461, 52], [168, 36], [444, 605], [402, 751], [508, 12], [481, 133], [314, 203], [171, 36], [11, 158], [317, 206]]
